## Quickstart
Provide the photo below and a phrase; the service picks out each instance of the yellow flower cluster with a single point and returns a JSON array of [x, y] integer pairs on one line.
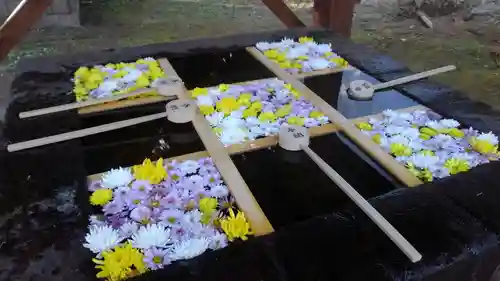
[[121, 263], [101, 196], [154, 173], [236, 226], [280, 58], [87, 79]]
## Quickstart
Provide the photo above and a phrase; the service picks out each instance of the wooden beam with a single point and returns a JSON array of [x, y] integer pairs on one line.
[[341, 16], [18, 24], [284, 14]]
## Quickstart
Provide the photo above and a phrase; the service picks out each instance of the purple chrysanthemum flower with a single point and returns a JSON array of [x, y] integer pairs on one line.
[[114, 207], [135, 198], [141, 214], [171, 200], [171, 217], [156, 258], [117, 220], [142, 186]]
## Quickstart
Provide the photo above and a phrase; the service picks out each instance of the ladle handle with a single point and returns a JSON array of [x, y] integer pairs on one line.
[[413, 77], [366, 207], [84, 132], [76, 105]]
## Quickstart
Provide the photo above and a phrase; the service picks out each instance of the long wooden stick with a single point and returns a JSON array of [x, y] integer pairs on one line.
[[235, 182], [414, 77], [84, 132], [366, 207], [346, 126], [76, 105]]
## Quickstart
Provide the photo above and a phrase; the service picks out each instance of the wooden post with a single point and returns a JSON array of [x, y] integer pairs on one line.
[[18, 24], [341, 16]]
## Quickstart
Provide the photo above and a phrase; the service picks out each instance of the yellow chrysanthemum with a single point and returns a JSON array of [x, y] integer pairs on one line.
[[101, 196], [267, 116], [426, 175], [377, 138], [206, 109], [235, 226], [296, 65], [316, 114], [398, 149], [483, 146], [296, 120], [424, 136], [283, 111], [121, 263], [456, 166], [364, 126], [142, 81], [227, 105], [457, 133], [223, 87], [257, 106], [244, 99], [305, 39], [249, 112], [285, 64], [150, 172], [428, 131], [199, 92], [272, 54], [427, 152]]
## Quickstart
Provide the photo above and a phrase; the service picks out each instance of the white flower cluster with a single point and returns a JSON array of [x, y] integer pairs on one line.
[[304, 55], [255, 109], [429, 145]]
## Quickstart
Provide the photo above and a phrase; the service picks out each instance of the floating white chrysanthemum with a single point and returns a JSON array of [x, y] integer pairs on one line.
[[129, 229], [116, 177], [423, 161], [153, 235], [218, 241], [263, 46], [189, 248], [233, 135], [319, 63], [488, 137], [101, 238], [108, 86], [205, 100], [449, 123], [189, 166], [324, 48]]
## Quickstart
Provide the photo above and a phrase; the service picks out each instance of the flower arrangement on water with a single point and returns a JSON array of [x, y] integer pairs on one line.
[[158, 213], [304, 55], [255, 109], [103, 81], [431, 146]]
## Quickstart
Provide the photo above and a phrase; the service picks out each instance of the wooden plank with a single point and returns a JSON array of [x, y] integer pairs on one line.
[[123, 104], [235, 182], [320, 72], [18, 24], [283, 13], [375, 151]]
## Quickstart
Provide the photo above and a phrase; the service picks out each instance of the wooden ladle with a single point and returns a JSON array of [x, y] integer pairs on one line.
[[363, 90], [170, 87], [296, 138]]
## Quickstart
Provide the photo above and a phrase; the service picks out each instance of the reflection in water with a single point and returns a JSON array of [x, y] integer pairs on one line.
[[382, 100], [35, 241]]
